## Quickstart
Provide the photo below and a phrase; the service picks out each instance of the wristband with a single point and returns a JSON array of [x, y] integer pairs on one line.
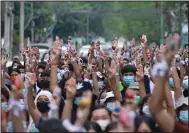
[[17, 107], [54, 63], [53, 112], [160, 69]]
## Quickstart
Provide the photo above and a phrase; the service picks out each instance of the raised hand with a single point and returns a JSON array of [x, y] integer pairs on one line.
[[70, 88], [139, 73], [93, 66], [31, 77], [144, 40], [112, 70], [55, 54], [133, 42]]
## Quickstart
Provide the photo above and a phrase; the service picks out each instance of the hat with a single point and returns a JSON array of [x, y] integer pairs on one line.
[[109, 95], [133, 85], [45, 93], [183, 100], [16, 57]]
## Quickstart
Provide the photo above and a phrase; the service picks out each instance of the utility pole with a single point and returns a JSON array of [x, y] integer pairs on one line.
[[7, 27], [87, 28], [162, 25], [33, 24], [21, 26], [11, 30]]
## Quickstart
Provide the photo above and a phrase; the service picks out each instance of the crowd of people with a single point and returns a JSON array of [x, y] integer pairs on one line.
[[144, 89]]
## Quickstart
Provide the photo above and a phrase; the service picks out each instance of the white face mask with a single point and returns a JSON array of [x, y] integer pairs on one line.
[[102, 101], [103, 123], [14, 67], [146, 111]]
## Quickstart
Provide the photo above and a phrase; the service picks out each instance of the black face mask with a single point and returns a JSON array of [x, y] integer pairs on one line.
[[45, 83], [43, 106]]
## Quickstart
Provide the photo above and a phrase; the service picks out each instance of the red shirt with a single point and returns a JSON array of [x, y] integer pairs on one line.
[[180, 127]]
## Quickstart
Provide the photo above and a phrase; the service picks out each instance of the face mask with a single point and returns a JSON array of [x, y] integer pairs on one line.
[[77, 100], [100, 84], [128, 79], [110, 106], [102, 101], [43, 106], [184, 116], [103, 123], [14, 67], [45, 83], [23, 92], [137, 99], [146, 111], [185, 84], [91, 82], [171, 83], [4, 106], [10, 126]]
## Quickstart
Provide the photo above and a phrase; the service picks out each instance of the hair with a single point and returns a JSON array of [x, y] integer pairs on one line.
[[5, 93], [15, 62], [15, 70], [45, 74], [84, 60], [143, 102], [111, 126], [21, 67], [128, 68], [93, 125], [41, 65], [98, 107], [52, 125], [142, 118]]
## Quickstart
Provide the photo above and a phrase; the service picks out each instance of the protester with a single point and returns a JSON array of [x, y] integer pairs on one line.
[[144, 89]]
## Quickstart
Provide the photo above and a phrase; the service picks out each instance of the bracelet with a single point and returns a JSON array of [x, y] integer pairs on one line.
[[54, 63], [160, 69], [17, 107], [53, 106], [53, 112]]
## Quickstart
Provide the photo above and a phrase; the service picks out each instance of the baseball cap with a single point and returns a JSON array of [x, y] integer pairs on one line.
[[133, 85], [16, 57], [182, 101], [109, 95]]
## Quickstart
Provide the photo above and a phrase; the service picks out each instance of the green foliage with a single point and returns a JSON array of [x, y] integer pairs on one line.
[[128, 19]]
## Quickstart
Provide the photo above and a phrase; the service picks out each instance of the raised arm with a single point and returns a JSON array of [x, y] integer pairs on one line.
[[177, 84], [54, 67], [169, 100], [140, 79], [33, 111], [114, 80], [17, 109], [70, 87], [164, 119]]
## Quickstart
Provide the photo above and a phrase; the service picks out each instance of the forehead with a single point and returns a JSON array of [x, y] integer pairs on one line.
[[14, 72], [100, 112], [42, 97], [128, 73]]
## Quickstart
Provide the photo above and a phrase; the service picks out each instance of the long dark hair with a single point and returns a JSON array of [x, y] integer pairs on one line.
[[142, 118]]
